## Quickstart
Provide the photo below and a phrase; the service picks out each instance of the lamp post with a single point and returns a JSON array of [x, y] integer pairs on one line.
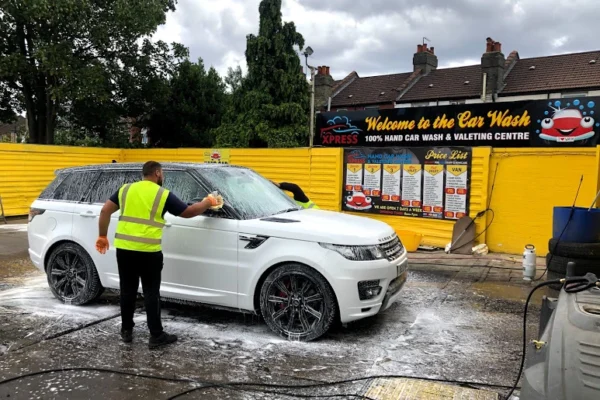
[[307, 53]]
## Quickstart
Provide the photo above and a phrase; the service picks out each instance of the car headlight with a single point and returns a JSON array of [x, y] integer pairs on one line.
[[356, 253]]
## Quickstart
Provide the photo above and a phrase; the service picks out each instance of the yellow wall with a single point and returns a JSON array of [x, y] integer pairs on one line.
[[529, 183], [316, 171], [25, 170]]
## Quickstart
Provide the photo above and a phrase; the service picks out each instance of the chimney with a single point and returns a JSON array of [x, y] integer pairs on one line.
[[492, 64], [323, 87], [425, 59]]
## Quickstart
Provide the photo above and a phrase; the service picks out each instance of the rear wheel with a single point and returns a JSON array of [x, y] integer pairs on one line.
[[72, 275], [297, 303]]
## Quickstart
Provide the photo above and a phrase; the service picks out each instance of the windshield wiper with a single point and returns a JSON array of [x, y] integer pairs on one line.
[[287, 211]]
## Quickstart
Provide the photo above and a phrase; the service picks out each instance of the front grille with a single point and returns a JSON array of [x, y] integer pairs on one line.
[[392, 248]]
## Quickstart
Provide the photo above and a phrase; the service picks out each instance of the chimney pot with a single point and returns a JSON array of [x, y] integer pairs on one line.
[[424, 46], [497, 46], [327, 71], [432, 50], [419, 48], [489, 47]]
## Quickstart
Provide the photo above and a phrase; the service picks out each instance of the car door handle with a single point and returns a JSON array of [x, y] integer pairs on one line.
[[247, 238], [88, 214]]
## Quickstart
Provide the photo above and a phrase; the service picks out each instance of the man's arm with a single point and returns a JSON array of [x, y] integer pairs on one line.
[[298, 193], [108, 209], [178, 208]]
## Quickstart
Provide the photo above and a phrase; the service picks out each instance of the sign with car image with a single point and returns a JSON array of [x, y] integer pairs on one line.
[[567, 122], [426, 182]]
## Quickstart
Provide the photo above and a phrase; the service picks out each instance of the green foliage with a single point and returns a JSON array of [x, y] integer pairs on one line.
[[271, 105], [86, 59], [191, 105]]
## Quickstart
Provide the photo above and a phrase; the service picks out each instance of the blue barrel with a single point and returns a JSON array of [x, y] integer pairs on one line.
[[583, 228]]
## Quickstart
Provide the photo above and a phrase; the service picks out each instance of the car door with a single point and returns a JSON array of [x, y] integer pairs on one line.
[[200, 253], [85, 221]]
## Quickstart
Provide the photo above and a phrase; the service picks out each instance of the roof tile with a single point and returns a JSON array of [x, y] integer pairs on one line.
[[371, 90], [551, 73], [446, 84]]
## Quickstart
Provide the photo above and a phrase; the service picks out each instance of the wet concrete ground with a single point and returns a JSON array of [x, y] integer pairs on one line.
[[452, 323]]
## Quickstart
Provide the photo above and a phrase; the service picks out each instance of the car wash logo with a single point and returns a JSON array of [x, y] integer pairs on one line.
[[339, 130], [358, 200], [356, 157], [573, 123]]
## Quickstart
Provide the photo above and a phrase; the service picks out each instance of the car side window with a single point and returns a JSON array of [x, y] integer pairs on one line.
[[48, 192], [110, 182], [184, 186], [75, 186]]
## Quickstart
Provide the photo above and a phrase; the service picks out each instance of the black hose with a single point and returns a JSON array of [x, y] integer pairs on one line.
[[233, 385]]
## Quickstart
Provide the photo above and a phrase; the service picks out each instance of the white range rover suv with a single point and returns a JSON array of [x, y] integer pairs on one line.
[[301, 269]]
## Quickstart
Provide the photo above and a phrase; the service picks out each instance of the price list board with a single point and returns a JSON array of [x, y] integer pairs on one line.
[[423, 182]]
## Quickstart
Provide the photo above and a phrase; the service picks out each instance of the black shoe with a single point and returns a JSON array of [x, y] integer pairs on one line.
[[161, 340], [127, 335]]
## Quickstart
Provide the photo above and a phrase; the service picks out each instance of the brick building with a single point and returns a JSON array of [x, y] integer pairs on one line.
[[497, 78]]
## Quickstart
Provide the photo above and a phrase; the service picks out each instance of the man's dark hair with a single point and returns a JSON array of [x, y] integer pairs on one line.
[[150, 168]]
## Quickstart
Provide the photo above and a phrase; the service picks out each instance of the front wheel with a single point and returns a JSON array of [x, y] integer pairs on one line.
[[72, 275], [297, 303]]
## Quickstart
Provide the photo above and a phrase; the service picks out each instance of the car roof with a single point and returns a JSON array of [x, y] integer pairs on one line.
[[138, 166]]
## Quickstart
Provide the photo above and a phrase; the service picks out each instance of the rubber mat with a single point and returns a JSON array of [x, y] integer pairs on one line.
[[414, 389]]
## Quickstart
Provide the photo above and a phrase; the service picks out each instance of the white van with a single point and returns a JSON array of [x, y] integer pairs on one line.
[[301, 269]]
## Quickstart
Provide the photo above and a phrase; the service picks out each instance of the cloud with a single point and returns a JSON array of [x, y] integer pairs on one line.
[[380, 36]]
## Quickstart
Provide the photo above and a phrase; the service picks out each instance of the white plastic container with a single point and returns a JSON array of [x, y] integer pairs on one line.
[[529, 262]]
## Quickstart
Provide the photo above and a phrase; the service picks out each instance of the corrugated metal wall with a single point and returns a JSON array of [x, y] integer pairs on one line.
[[316, 171], [529, 184], [25, 170]]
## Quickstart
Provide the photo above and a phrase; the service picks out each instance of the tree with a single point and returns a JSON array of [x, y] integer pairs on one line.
[[193, 107], [234, 79], [272, 106], [78, 55]]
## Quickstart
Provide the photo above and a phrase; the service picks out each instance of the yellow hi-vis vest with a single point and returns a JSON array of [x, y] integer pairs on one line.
[[309, 204], [141, 223]]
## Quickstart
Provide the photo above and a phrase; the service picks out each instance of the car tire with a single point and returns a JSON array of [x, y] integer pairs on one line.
[[582, 266], [589, 251], [72, 275], [297, 303]]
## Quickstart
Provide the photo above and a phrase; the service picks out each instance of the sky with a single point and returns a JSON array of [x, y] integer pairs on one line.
[[375, 37]]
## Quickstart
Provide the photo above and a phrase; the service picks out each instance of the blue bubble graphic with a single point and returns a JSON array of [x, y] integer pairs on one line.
[[539, 120], [576, 102], [584, 113], [568, 104], [581, 107], [557, 103], [550, 104], [546, 113], [591, 104], [538, 131], [598, 124], [591, 112]]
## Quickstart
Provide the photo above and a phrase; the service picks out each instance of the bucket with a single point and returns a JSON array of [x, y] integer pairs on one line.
[[583, 228], [410, 240]]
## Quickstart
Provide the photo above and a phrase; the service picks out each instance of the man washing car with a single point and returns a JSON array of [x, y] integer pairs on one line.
[[299, 196], [138, 242]]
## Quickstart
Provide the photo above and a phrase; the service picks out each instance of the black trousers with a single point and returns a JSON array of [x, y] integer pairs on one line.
[[134, 265]]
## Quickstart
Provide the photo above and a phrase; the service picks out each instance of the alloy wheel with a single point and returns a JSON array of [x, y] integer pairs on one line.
[[68, 274], [296, 304]]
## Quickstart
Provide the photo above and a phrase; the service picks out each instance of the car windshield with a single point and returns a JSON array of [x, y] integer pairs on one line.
[[249, 193]]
